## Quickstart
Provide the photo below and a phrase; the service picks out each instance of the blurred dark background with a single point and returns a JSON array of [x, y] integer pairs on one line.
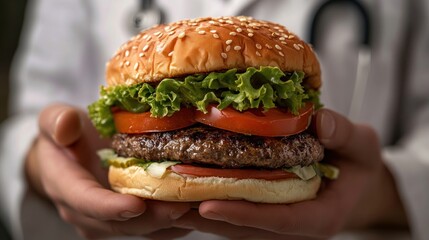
[[11, 19]]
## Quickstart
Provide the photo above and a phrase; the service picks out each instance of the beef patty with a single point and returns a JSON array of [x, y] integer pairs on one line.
[[210, 146]]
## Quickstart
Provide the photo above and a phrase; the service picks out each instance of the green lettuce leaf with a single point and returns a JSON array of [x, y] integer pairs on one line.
[[266, 87]]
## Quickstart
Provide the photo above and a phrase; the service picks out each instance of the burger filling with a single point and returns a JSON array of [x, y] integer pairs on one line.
[[264, 88], [234, 123], [213, 147]]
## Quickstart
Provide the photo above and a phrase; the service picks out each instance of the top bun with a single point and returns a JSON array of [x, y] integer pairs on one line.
[[205, 45]]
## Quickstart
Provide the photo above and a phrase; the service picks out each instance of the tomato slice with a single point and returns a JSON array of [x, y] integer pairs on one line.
[[232, 173], [128, 122], [271, 123]]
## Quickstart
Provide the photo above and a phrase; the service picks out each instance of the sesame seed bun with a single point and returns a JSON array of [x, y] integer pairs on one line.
[[175, 187], [211, 44]]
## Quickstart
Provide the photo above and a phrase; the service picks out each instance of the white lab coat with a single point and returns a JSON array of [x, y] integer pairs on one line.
[[67, 42]]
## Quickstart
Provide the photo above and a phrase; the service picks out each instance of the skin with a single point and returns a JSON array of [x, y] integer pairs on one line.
[[62, 165], [63, 168]]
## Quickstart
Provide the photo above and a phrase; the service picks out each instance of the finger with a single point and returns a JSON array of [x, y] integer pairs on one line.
[[90, 228], [79, 190], [159, 215], [194, 221], [86, 227], [61, 123], [340, 135], [295, 219]]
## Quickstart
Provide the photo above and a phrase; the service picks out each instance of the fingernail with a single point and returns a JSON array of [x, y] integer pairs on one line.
[[214, 216], [327, 123], [175, 215], [54, 126], [128, 214]]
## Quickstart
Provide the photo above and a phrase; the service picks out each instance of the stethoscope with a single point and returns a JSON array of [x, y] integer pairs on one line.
[[147, 15], [364, 52]]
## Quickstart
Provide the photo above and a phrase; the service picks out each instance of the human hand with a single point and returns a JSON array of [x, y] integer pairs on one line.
[[62, 166], [364, 195]]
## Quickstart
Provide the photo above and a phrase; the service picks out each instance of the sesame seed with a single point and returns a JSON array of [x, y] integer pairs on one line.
[[127, 63], [149, 38], [228, 48], [300, 45], [250, 34], [239, 30], [171, 33], [157, 33], [237, 48], [129, 82], [268, 46], [281, 54], [277, 27], [213, 31], [296, 46], [249, 30], [141, 55], [170, 53], [224, 55], [282, 38], [145, 37], [211, 22], [229, 41], [232, 33], [230, 22], [291, 36], [159, 48], [283, 42], [201, 32], [145, 48], [215, 35], [136, 66], [258, 46], [258, 54], [181, 35], [127, 53], [278, 47]]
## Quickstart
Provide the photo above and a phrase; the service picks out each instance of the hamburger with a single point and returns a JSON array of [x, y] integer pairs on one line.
[[212, 108]]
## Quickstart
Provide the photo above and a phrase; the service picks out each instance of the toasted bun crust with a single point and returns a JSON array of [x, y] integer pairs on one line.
[[211, 44], [174, 187]]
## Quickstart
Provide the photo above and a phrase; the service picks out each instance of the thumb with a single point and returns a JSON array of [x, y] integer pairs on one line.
[[342, 136], [61, 124]]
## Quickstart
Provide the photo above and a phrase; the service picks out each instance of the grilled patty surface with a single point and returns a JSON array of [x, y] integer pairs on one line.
[[210, 146]]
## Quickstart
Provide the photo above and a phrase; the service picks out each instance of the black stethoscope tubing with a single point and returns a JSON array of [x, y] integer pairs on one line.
[[357, 5]]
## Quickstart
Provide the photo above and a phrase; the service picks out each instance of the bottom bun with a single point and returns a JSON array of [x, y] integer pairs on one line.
[[175, 187]]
